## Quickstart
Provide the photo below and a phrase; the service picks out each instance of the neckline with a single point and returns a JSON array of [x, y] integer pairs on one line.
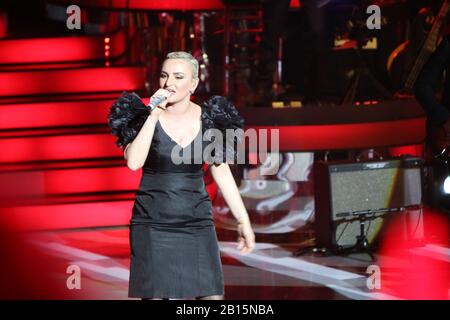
[[192, 140]]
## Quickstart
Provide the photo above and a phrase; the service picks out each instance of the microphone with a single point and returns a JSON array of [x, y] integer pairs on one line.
[[157, 100]]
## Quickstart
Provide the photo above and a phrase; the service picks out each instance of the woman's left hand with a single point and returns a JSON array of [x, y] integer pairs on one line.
[[246, 238]]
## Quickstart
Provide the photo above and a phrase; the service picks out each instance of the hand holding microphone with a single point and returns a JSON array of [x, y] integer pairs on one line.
[[159, 98]]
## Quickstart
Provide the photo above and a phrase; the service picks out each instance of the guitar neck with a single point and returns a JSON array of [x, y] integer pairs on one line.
[[428, 47]]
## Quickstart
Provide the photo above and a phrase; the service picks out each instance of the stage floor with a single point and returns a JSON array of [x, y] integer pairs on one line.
[[270, 272]]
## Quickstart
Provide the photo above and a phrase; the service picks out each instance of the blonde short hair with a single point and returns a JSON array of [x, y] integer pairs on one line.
[[189, 58]]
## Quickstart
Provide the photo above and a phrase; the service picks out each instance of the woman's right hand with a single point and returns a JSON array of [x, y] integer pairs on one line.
[[162, 106], [246, 237]]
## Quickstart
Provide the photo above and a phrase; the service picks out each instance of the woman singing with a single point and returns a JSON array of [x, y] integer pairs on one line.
[[174, 247]]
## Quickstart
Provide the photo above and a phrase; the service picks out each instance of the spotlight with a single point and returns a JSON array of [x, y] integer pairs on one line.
[[446, 186], [444, 158]]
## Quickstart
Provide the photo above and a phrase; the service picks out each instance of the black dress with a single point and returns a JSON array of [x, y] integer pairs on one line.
[[174, 247]]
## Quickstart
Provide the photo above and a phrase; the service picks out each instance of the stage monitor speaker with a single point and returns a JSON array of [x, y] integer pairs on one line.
[[375, 190]]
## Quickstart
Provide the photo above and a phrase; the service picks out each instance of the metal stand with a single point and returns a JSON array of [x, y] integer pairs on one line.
[[278, 76], [362, 71], [362, 243], [242, 26]]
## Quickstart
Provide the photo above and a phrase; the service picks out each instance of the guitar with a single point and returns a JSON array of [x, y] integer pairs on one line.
[[429, 45]]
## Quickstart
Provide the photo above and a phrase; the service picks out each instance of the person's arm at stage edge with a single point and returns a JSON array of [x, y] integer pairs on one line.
[[424, 86], [225, 181]]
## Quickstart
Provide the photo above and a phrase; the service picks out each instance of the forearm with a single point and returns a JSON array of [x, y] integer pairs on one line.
[[136, 152], [225, 181]]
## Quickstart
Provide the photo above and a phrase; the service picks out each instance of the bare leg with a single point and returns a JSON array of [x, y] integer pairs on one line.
[[215, 297]]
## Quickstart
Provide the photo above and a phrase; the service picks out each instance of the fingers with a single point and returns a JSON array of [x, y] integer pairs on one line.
[[249, 243], [246, 244], [162, 92], [241, 243], [246, 239], [158, 95]]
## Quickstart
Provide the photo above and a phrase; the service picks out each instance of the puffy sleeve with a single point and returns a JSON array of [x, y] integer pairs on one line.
[[126, 117], [222, 131]]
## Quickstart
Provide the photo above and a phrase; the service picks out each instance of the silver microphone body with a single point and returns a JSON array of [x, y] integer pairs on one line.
[[156, 101]]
